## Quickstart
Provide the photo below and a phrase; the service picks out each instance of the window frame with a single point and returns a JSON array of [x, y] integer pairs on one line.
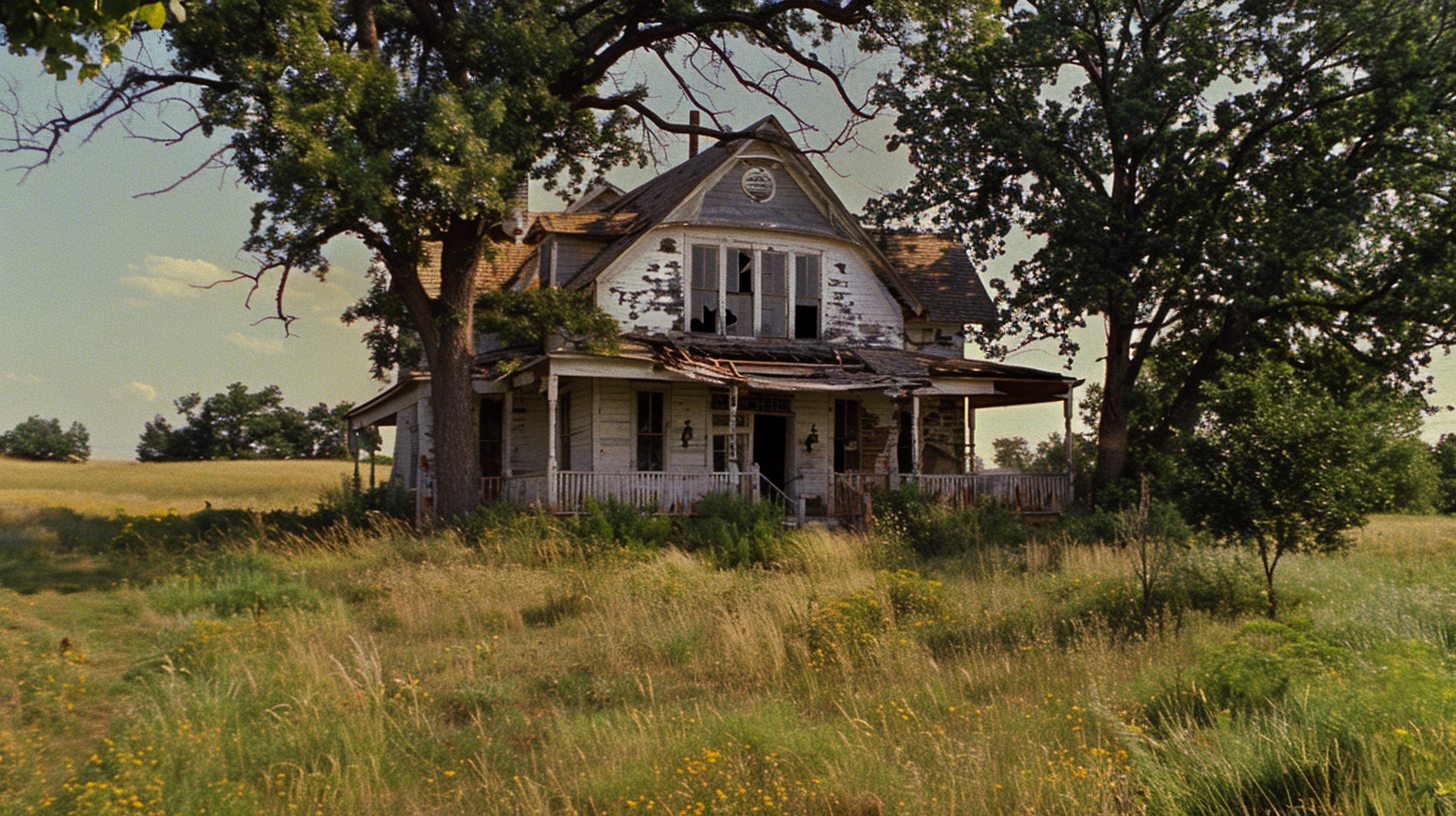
[[649, 441]]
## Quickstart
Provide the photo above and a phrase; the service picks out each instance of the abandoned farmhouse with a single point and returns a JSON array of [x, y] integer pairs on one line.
[[770, 346]]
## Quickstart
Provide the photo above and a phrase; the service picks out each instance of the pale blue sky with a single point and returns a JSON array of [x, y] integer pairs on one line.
[[99, 321]]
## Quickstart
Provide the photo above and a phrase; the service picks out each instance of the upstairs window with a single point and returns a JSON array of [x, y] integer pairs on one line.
[[773, 295], [806, 297], [743, 292], [738, 314], [704, 317]]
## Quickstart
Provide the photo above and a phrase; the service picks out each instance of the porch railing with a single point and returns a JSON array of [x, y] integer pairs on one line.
[[672, 493], [1027, 493]]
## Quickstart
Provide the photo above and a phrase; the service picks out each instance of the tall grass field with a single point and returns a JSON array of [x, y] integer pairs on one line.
[[514, 666]]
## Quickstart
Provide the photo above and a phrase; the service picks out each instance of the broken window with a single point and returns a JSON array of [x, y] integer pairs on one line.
[[773, 295], [649, 430], [704, 316], [806, 297], [738, 314]]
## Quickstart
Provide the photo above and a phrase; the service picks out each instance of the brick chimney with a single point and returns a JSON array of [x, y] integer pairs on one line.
[[693, 119]]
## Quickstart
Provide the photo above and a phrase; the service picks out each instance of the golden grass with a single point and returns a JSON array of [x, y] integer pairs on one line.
[[102, 488]]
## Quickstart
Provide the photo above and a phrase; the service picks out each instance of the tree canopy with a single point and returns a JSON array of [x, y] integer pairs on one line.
[[42, 440], [1208, 178], [242, 424], [1288, 465], [410, 123], [84, 36]]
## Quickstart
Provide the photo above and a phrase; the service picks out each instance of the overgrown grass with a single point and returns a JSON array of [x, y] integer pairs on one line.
[[512, 667]]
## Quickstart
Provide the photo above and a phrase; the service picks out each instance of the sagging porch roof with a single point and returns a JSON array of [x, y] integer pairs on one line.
[[787, 366]]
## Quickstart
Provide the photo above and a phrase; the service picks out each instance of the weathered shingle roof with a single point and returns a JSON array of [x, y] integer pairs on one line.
[[651, 202], [942, 275], [492, 274], [604, 224]]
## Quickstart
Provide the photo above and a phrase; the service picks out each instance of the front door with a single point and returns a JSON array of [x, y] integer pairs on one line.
[[771, 446]]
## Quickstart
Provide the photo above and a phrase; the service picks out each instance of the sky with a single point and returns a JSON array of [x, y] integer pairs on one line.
[[102, 320]]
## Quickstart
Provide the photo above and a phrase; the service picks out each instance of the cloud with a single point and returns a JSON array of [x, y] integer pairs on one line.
[[175, 278], [135, 391], [255, 344]]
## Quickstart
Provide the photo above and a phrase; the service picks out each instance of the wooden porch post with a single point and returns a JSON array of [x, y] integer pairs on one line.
[[552, 387], [507, 409], [1067, 416], [915, 435], [968, 437], [733, 463]]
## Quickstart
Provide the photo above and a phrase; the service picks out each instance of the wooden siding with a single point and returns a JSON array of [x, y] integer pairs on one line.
[[528, 431], [725, 203], [644, 289]]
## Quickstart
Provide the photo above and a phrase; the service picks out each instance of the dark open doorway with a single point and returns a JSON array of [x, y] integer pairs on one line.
[[771, 446]]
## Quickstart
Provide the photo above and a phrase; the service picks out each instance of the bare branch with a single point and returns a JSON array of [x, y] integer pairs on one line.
[[212, 162]]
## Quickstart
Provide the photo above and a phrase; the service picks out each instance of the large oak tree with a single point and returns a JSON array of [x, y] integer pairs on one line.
[[1208, 178], [405, 122]]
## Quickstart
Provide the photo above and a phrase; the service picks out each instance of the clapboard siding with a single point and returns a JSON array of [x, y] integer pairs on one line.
[[528, 432], [725, 203], [615, 414], [644, 290]]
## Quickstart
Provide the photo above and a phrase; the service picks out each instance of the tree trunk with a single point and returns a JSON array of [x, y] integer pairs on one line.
[[1118, 379], [446, 325], [1182, 415]]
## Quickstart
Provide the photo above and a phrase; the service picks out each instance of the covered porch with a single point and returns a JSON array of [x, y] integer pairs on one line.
[[664, 423]]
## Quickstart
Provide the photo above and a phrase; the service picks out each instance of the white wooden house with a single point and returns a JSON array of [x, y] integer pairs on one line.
[[770, 346]]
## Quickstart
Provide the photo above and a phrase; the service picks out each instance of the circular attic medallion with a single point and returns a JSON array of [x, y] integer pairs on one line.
[[758, 184]]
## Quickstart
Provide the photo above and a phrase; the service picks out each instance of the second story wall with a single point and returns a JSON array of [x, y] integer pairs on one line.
[[749, 283]]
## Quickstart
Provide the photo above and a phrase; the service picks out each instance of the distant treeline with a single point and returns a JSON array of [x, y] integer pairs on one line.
[[242, 424]]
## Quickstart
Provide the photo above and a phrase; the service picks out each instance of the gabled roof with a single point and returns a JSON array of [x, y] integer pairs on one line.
[[941, 273], [656, 200]]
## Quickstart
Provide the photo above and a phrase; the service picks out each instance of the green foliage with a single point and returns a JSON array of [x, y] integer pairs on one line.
[[620, 525], [530, 317], [66, 33], [42, 440], [1444, 453], [1203, 218], [738, 534], [1286, 465], [245, 585], [242, 424], [1247, 676], [930, 528]]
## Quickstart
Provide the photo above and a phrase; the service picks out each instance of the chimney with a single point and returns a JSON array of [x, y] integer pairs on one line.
[[521, 211], [693, 119]]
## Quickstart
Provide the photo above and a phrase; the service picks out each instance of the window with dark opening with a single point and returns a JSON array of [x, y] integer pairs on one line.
[[738, 311], [846, 436], [704, 317], [806, 297], [649, 430]]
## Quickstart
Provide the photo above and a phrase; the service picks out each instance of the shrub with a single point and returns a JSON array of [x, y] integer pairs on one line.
[[619, 524], [737, 533], [933, 529]]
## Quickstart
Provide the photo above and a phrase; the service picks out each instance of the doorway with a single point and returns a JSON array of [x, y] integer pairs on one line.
[[771, 446]]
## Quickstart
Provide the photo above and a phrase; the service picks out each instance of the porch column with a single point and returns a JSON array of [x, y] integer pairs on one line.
[[915, 434], [733, 463], [1067, 416], [968, 437], [507, 408], [551, 394]]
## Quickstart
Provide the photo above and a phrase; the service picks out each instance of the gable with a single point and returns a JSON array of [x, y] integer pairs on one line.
[[761, 193]]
